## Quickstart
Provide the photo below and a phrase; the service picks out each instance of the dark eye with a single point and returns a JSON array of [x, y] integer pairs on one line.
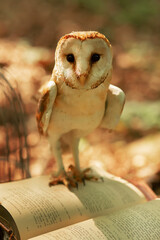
[[70, 58], [95, 57]]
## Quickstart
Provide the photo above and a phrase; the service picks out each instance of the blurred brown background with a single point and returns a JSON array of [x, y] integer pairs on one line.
[[29, 31]]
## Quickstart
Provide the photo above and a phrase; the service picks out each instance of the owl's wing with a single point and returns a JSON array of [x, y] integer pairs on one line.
[[113, 107], [45, 106]]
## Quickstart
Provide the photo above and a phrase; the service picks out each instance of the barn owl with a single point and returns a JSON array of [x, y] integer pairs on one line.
[[78, 98]]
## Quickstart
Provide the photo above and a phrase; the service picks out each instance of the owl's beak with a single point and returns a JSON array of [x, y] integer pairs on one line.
[[82, 78]]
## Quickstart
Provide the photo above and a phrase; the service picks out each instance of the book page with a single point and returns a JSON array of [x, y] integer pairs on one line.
[[38, 208], [138, 222]]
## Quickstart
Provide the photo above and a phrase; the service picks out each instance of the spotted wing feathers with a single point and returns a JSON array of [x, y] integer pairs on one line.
[[45, 106]]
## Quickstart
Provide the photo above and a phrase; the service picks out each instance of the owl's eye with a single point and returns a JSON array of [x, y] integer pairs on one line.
[[70, 58], [95, 57]]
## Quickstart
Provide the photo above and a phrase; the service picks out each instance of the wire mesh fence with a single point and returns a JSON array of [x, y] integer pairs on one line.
[[14, 149]]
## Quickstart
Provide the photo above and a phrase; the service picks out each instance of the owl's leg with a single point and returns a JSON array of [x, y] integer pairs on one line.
[[78, 174], [61, 176], [56, 150], [75, 152]]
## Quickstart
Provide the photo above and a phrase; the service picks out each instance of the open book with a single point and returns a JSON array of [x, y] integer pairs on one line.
[[110, 209]]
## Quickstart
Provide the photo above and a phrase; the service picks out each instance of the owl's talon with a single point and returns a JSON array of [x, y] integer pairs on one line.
[[65, 178], [81, 176], [73, 176], [76, 185], [59, 178], [102, 179], [83, 180]]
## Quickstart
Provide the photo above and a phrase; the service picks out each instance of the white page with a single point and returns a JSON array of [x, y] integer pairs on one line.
[[38, 208], [140, 222]]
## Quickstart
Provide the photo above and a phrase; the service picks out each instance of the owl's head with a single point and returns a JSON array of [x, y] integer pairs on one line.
[[83, 59]]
